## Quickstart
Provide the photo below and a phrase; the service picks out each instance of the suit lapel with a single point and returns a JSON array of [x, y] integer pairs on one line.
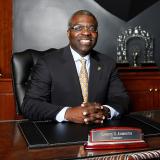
[[71, 72], [94, 78]]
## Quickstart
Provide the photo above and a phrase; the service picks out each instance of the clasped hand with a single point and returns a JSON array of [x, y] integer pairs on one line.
[[87, 113]]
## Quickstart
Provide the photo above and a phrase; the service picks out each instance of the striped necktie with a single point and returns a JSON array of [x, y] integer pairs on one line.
[[83, 78]]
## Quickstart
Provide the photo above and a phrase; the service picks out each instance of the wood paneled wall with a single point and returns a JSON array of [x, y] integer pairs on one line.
[[7, 103], [5, 37]]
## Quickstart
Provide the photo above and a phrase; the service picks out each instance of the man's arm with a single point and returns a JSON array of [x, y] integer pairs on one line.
[[36, 104], [118, 98]]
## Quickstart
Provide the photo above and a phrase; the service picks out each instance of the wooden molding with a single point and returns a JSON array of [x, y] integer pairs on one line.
[[5, 37]]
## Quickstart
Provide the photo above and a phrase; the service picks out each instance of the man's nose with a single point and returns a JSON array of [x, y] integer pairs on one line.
[[86, 31]]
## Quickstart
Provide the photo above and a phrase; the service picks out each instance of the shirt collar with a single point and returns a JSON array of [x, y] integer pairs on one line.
[[77, 57]]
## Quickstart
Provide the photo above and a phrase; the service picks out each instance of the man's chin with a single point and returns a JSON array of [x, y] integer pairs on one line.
[[86, 48], [85, 52]]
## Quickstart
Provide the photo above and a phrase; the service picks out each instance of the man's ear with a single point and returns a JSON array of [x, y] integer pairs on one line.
[[68, 32]]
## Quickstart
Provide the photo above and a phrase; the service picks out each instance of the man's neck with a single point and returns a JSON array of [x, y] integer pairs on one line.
[[74, 51]]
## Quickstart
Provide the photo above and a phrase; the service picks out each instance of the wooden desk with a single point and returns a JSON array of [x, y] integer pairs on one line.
[[14, 147]]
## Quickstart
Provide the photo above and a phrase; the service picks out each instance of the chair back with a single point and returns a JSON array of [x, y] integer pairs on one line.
[[22, 64]]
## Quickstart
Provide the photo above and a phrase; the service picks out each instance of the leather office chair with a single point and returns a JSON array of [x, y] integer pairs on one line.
[[22, 63]]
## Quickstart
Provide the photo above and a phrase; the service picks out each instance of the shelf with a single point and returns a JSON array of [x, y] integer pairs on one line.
[[139, 69]]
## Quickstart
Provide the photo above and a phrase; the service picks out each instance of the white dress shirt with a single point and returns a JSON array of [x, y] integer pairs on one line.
[[77, 57]]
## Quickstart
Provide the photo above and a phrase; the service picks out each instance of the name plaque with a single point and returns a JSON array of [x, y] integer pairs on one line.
[[115, 134], [115, 137]]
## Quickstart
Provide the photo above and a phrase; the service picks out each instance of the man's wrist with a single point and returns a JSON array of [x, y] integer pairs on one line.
[[66, 115], [108, 111]]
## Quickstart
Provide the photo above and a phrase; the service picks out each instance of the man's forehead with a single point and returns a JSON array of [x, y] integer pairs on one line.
[[83, 19]]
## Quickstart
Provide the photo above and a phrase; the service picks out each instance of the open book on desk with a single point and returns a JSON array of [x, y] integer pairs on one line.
[[47, 133]]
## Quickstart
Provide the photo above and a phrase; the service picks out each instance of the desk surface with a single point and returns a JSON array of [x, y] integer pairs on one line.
[[13, 145]]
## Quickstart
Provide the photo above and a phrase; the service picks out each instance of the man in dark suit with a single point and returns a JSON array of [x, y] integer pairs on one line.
[[55, 91]]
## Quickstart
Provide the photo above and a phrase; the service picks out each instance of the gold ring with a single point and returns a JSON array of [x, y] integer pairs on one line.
[[84, 113], [103, 117], [85, 120], [82, 105], [102, 107]]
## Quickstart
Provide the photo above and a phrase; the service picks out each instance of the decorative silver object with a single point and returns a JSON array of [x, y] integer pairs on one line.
[[135, 55], [135, 33]]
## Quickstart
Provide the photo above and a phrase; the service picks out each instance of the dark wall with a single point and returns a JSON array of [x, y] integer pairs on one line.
[[126, 9]]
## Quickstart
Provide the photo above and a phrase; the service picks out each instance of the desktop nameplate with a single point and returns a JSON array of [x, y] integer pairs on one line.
[[115, 138], [115, 134]]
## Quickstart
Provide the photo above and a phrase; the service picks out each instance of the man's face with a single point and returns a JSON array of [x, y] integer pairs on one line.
[[83, 34]]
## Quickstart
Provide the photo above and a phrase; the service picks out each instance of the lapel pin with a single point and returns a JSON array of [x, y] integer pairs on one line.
[[99, 68]]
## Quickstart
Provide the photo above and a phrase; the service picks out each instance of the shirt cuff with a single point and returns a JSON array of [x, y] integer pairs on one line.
[[113, 112], [60, 115]]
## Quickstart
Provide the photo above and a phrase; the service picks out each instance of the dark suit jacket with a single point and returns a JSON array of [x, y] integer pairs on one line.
[[55, 84]]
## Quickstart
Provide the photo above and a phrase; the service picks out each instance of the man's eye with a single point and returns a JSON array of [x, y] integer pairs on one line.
[[92, 29], [77, 28]]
